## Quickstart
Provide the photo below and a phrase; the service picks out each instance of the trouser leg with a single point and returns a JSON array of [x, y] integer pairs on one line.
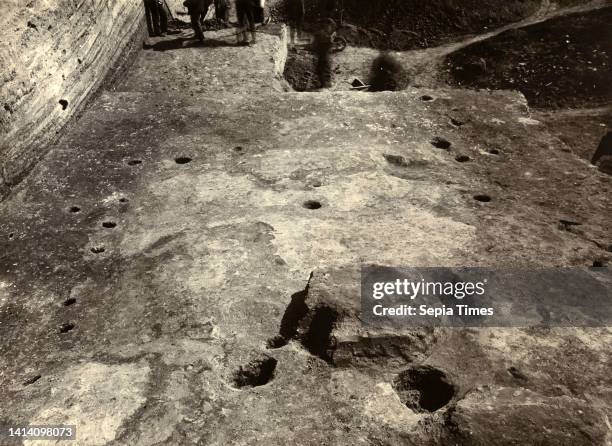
[[250, 21], [197, 27], [149, 17], [155, 16], [324, 70], [241, 15], [222, 13], [163, 19]]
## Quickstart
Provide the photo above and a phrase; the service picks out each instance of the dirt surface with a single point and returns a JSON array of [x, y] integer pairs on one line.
[[183, 267], [300, 70], [580, 129], [565, 62], [407, 24]]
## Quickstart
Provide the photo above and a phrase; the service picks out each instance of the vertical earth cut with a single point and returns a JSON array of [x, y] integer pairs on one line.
[[53, 55]]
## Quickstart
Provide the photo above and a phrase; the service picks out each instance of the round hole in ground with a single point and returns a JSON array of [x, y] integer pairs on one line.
[[424, 388], [426, 98], [66, 327], [517, 373], [69, 301], [456, 122], [182, 160], [494, 151], [483, 198], [258, 372], [11, 235], [63, 103], [109, 224], [238, 149], [462, 158], [134, 162], [74, 209], [123, 200], [98, 249], [312, 204], [440, 143]]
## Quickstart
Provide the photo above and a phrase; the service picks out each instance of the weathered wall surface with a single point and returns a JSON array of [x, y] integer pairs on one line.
[[53, 55]]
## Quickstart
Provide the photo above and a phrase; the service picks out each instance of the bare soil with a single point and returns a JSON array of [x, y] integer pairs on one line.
[[563, 62], [408, 24]]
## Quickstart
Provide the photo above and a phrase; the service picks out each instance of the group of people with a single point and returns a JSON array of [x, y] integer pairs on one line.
[[157, 17], [248, 13]]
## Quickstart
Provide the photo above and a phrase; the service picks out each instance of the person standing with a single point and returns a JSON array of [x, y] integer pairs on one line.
[[197, 11], [295, 15], [222, 8], [245, 10], [322, 45], [260, 12], [157, 19]]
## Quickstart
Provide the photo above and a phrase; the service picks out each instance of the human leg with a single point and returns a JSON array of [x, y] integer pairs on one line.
[[197, 27], [163, 19]]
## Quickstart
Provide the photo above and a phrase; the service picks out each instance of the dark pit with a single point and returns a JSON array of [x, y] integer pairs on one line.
[[440, 143], [63, 103], [462, 158], [494, 151], [74, 209], [517, 374], [312, 205], [69, 301], [256, 373], [426, 98], [316, 183], [482, 198], [134, 162], [424, 388], [396, 160], [109, 224], [182, 160], [123, 200], [98, 249], [66, 327], [318, 339], [31, 380]]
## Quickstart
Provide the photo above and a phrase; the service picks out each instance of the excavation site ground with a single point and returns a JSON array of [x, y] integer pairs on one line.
[[182, 263]]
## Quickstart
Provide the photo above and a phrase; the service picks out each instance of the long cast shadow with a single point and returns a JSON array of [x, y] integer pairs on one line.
[[186, 42]]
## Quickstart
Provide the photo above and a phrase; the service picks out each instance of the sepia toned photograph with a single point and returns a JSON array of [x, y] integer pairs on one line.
[[306, 222]]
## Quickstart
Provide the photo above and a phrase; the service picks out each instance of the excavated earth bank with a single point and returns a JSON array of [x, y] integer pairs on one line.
[[53, 56], [564, 62]]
